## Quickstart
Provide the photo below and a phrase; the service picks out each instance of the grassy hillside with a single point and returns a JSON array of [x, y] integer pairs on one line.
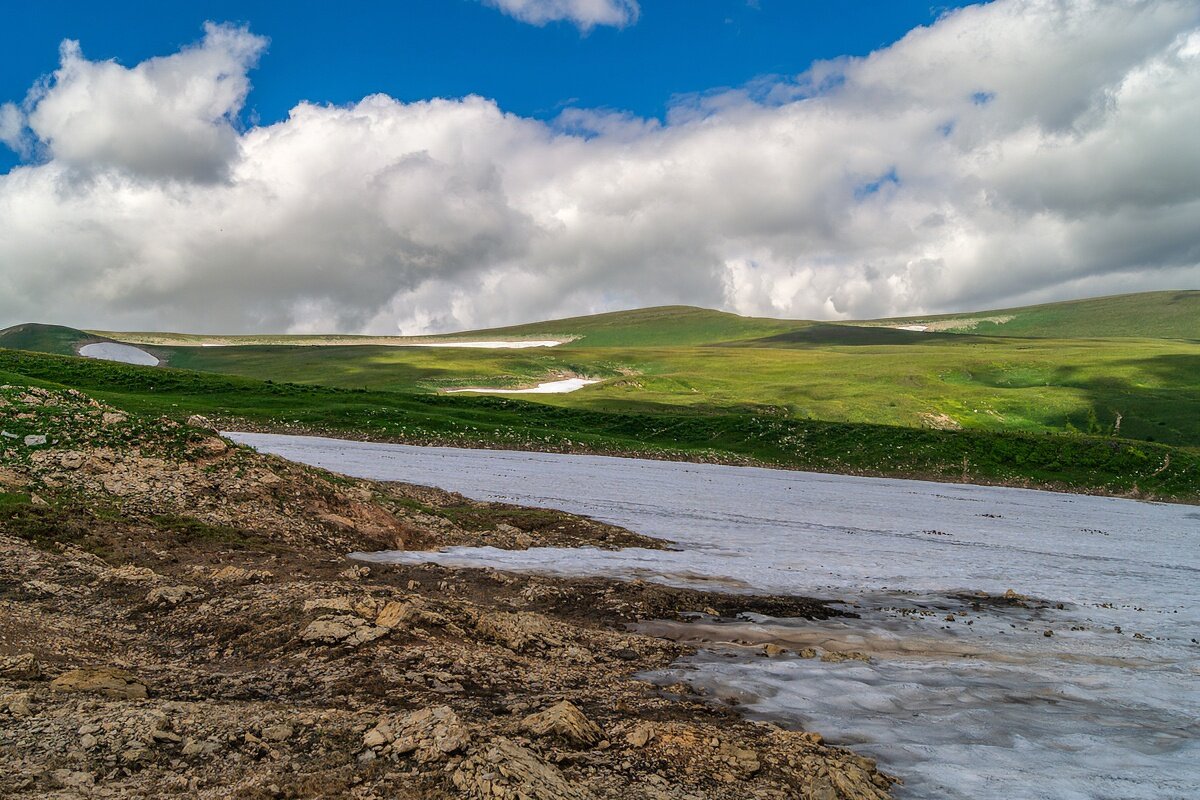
[[871, 375], [45, 338], [1146, 389], [1158, 315], [664, 325], [1079, 462], [647, 327]]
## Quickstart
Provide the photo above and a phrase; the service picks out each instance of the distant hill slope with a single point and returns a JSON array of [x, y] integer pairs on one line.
[[1150, 315], [57, 339], [660, 326]]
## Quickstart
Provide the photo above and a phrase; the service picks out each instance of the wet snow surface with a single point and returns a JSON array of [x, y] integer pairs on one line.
[[125, 353], [1105, 707], [550, 387]]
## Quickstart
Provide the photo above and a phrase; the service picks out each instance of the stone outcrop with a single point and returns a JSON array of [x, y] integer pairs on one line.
[[431, 734], [566, 722], [107, 681], [505, 770]]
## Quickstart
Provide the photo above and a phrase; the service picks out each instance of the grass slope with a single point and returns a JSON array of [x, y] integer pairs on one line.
[[647, 327], [1079, 462], [46, 338], [1159, 315], [873, 375]]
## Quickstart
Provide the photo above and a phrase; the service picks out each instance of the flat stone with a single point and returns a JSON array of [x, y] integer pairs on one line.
[[110, 682]]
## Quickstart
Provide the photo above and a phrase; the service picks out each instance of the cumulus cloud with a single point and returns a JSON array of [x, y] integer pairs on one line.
[[167, 117], [12, 128], [1020, 151], [586, 14]]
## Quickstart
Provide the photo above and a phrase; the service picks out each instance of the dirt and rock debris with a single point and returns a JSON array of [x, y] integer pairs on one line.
[[178, 617]]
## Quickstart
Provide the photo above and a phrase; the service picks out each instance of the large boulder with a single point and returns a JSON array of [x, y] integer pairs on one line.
[[564, 721], [507, 771], [108, 681], [346, 629], [430, 734]]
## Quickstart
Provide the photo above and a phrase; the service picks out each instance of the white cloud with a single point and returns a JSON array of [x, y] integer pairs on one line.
[[167, 117], [12, 127], [1025, 150], [586, 14]]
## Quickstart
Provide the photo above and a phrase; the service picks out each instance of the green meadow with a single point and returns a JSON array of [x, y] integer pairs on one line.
[[1028, 395]]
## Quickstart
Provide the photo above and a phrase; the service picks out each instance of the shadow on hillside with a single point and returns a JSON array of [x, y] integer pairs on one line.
[[1168, 413], [823, 334]]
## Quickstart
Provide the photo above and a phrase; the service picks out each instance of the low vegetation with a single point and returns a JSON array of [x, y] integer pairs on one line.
[[1078, 461]]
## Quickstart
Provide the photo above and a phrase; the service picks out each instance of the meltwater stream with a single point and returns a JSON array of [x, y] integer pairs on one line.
[[1088, 689]]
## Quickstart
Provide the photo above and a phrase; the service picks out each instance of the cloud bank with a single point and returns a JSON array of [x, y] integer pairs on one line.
[[1020, 151], [585, 14]]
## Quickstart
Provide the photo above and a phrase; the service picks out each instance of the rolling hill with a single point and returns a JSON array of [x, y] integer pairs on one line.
[[41, 338], [1007, 376], [1149, 315]]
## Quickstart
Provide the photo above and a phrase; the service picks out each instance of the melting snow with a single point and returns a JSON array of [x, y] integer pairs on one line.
[[1106, 706], [552, 387], [125, 353]]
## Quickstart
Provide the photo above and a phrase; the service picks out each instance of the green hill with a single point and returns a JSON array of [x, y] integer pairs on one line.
[[660, 326], [1149, 315], [40, 338]]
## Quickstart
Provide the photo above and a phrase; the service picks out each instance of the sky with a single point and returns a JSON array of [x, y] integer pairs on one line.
[[435, 165]]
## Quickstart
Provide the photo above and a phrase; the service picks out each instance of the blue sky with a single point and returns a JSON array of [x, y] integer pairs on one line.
[[416, 49], [239, 167]]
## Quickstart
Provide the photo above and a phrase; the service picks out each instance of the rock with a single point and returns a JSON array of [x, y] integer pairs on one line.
[[342, 629], [377, 737], [23, 667], [355, 573], [746, 761], [71, 460], [835, 657], [232, 574], [172, 595], [565, 721], [430, 734], [278, 733], [395, 613], [201, 421], [45, 588], [72, 779], [641, 734], [10, 479], [35, 440], [518, 631], [110, 682], [132, 574], [806, 652], [508, 771], [411, 612], [214, 446], [193, 748], [113, 418], [19, 704]]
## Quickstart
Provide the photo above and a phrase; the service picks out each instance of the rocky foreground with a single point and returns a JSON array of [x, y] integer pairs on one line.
[[178, 617]]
